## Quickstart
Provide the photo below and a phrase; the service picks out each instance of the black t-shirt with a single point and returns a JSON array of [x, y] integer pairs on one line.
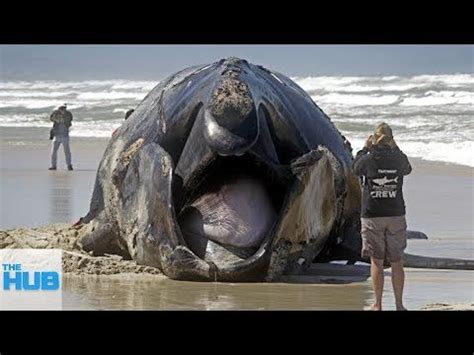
[[382, 169]]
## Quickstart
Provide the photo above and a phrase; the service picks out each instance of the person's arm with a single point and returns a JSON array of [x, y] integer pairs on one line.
[[359, 165], [361, 157], [362, 152], [69, 119], [405, 168]]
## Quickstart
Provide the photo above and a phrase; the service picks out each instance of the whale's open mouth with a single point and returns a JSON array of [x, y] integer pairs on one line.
[[225, 172], [231, 209]]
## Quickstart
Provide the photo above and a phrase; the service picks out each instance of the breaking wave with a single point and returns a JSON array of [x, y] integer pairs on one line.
[[432, 115]]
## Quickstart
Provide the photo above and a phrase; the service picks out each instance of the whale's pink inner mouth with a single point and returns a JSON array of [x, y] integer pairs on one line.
[[231, 209], [238, 213]]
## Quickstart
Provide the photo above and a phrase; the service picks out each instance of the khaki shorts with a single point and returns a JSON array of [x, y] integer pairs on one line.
[[384, 237]]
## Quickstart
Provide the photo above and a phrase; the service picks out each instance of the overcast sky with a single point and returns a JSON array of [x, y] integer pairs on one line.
[[154, 62]]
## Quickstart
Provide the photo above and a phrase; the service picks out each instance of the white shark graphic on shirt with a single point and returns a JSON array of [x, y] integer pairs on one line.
[[384, 181]]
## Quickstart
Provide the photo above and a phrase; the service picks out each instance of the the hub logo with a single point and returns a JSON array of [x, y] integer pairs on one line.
[[30, 279]]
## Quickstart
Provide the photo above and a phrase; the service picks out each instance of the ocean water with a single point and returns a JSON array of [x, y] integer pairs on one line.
[[432, 115]]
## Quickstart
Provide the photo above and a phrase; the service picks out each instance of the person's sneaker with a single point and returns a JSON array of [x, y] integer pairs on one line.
[[69, 167], [52, 168]]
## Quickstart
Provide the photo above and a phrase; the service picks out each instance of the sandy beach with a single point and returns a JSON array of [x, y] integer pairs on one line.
[[439, 198]]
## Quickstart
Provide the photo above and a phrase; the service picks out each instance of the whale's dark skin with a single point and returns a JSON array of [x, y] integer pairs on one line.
[[196, 140]]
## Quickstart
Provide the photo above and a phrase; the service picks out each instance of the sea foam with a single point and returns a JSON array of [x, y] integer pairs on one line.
[[432, 115]]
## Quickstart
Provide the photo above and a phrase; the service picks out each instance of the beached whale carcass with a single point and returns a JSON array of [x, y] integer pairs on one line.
[[224, 172]]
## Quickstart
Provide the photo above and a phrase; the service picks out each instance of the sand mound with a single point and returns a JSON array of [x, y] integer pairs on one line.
[[75, 260]]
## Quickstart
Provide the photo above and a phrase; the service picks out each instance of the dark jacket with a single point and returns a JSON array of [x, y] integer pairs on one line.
[[382, 169], [62, 120]]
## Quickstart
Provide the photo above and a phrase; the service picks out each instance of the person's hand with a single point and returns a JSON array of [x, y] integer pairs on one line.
[[368, 142]]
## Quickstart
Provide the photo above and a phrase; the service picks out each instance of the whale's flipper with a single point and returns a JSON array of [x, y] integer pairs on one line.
[[416, 235], [426, 262]]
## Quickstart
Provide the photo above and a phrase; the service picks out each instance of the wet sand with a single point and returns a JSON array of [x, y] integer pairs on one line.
[[157, 292], [31, 195], [449, 307], [109, 282], [425, 290], [439, 202]]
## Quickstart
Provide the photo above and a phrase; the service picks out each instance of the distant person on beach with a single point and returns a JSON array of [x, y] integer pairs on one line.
[[382, 165], [128, 113], [62, 120]]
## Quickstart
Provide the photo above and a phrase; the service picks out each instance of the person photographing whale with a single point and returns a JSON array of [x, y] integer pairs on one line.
[[59, 134], [382, 166]]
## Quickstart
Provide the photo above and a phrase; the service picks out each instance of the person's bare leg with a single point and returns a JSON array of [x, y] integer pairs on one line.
[[376, 273], [398, 281]]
